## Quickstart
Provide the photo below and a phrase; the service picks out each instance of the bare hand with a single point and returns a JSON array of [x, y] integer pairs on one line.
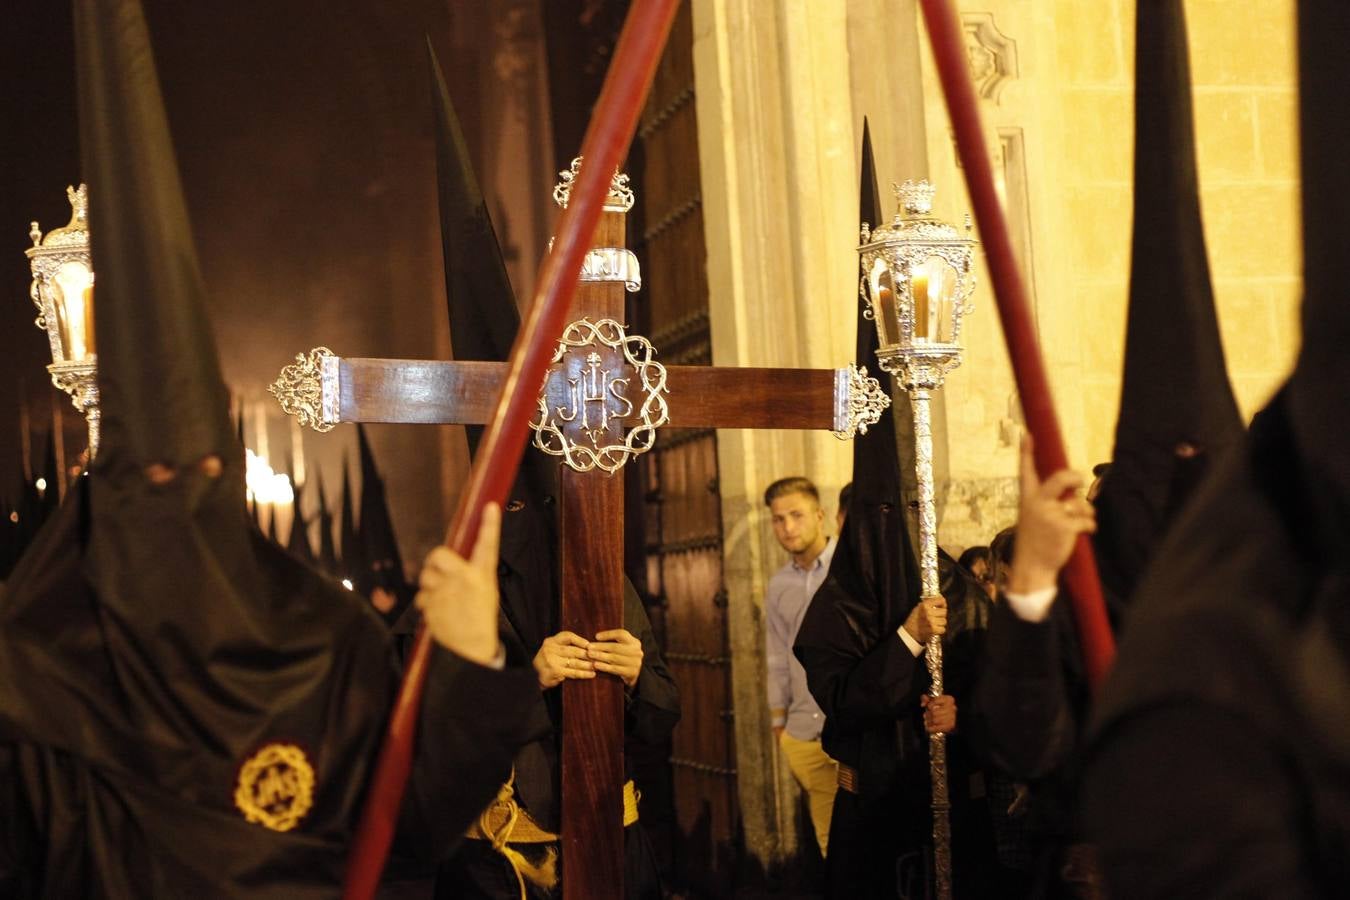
[[618, 653], [560, 657], [939, 713], [458, 597], [1048, 525], [928, 619]]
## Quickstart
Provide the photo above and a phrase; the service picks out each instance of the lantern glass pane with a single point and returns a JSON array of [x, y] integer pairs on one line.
[[925, 314], [942, 283], [883, 299], [72, 289]]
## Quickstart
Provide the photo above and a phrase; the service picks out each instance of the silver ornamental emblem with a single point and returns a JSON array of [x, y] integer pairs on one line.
[[603, 398]]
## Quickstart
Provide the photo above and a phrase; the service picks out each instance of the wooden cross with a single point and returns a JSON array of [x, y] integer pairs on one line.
[[602, 399]]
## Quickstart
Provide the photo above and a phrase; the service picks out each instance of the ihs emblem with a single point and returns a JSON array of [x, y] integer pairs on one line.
[[276, 787]]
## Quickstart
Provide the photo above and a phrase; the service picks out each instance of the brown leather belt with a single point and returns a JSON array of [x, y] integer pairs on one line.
[[848, 778]]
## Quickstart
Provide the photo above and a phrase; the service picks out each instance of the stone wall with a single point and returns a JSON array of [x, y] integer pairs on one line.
[[1059, 88]]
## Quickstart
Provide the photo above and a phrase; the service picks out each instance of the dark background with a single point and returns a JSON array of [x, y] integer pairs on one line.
[[303, 133]]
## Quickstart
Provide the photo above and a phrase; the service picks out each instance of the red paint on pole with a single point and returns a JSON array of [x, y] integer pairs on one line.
[[603, 149], [1080, 575]]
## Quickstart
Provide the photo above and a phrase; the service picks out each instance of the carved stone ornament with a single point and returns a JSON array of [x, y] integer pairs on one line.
[[588, 403], [308, 389], [619, 199], [859, 402], [991, 53]]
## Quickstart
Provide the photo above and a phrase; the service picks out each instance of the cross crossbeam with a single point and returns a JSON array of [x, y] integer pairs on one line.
[[427, 392]]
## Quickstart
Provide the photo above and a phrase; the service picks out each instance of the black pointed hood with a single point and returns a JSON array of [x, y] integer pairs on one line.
[[350, 552], [484, 320], [483, 314], [297, 542], [150, 302], [383, 565], [1177, 410], [173, 638], [328, 560], [874, 579], [1318, 396]]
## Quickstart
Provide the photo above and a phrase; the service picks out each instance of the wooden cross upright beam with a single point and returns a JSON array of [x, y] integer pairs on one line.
[[603, 387], [591, 533]]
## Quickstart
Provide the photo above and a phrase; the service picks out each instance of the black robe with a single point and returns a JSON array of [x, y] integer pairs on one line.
[[123, 726], [651, 711], [868, 684], [1219, 758], [1025, 718]]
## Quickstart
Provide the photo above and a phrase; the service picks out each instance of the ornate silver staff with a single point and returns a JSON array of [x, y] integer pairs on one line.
[[63, 291], [917, 281]]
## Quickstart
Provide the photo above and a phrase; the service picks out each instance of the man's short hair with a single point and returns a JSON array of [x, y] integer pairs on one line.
[[1002, 546], [971, 555], [794, 485], [845, 495]]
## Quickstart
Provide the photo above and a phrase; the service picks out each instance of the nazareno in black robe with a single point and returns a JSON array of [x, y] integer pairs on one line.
[[167, 671], [868, 683], [1032, 699], [1218, 762]]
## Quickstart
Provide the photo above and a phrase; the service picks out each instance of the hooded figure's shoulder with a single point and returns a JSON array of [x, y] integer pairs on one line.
[[1241, 610]]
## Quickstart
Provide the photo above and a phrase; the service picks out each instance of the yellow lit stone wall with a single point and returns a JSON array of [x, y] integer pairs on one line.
[[1064, 116]]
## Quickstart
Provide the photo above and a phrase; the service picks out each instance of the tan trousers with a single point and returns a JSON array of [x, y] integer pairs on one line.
[[818, 776]]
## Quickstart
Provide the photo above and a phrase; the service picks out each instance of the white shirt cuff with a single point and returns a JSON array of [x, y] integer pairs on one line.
[[1033, 606], [914, 646]]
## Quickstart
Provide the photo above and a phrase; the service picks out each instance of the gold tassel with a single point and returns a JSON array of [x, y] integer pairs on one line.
[[544, 874], [498, 825]]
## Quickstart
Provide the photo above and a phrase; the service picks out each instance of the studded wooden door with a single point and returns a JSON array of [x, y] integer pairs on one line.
[[676, 560]]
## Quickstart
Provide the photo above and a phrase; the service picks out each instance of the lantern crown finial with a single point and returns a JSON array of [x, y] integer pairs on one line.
[[73, 233], [915, 197]]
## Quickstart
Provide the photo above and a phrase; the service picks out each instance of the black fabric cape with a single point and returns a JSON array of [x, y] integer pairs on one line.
[[483, 324], [1219, 759], [1235, 671], [152, 641]]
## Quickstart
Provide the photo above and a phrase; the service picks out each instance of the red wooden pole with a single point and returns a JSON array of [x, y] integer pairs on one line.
[[1080, 575], [606, 143]]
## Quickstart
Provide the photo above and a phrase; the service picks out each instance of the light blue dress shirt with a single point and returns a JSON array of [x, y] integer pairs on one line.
[[790, 591]]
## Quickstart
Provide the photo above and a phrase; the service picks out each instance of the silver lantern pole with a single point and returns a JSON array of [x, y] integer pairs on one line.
[[917, 281]]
